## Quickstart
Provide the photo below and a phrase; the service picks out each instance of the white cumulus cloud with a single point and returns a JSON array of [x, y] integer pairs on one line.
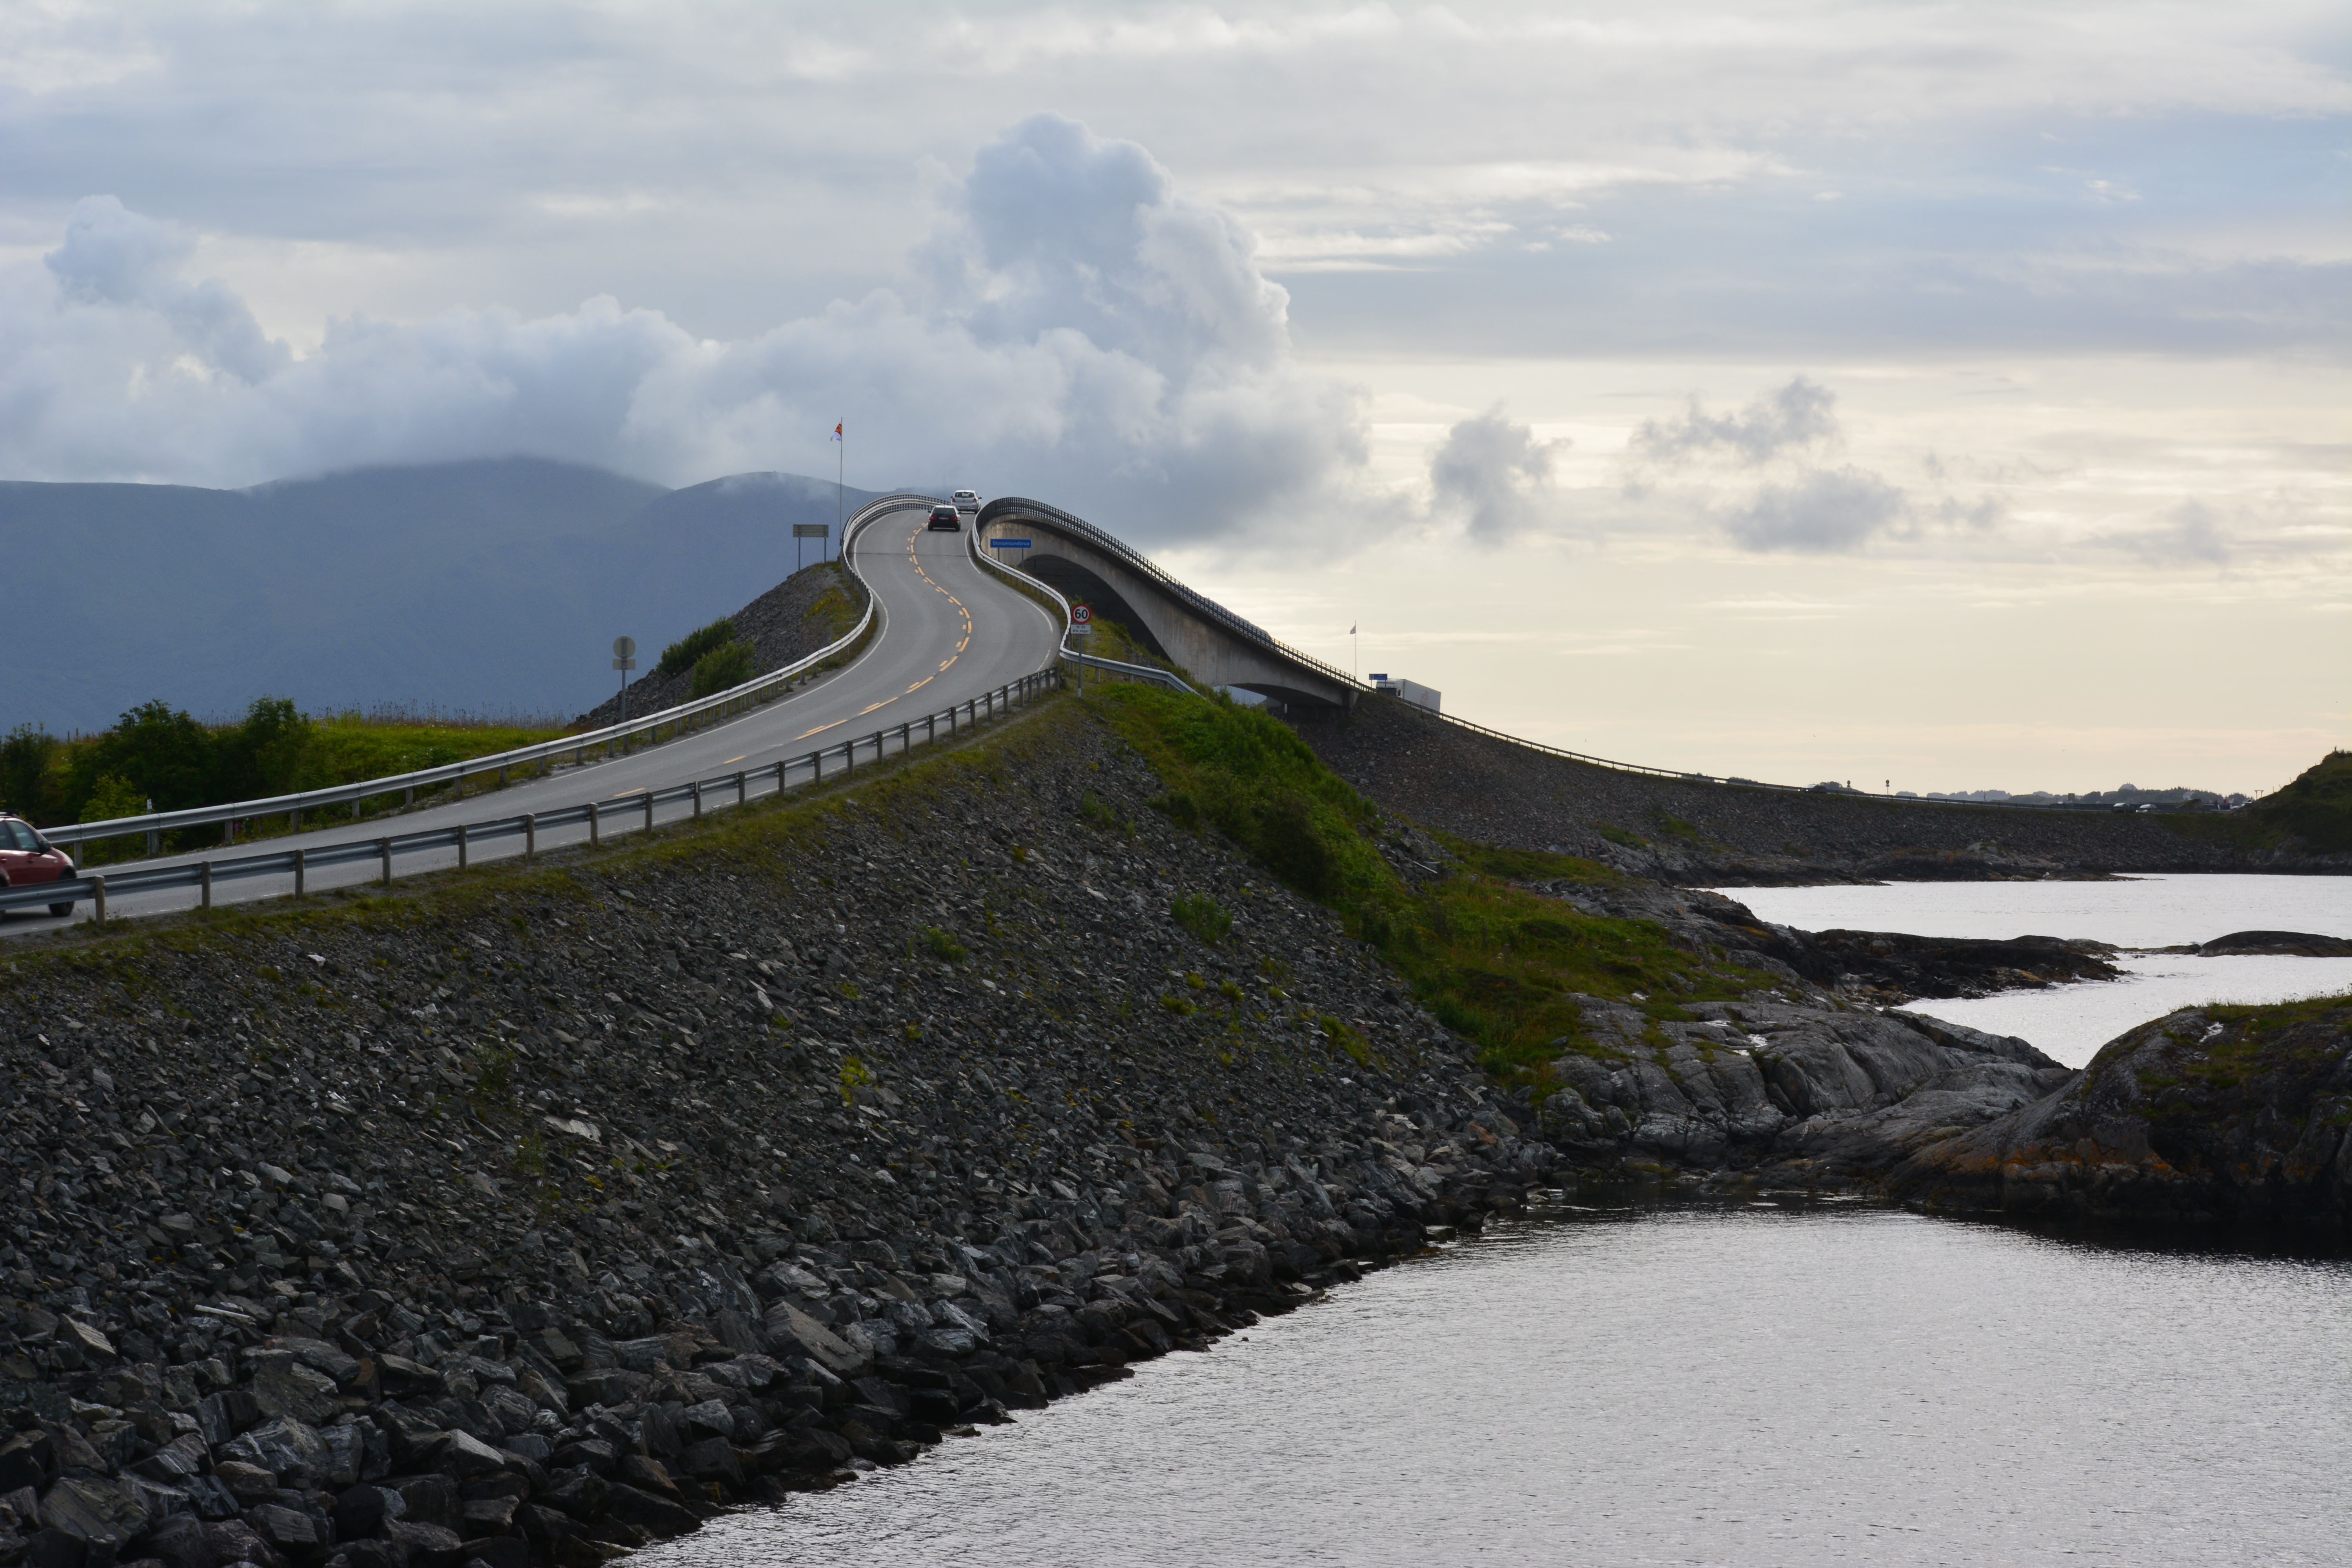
[[1074, 329]]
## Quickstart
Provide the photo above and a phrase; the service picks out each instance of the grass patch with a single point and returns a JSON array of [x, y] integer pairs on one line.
[[1495, 962], [2314, 811], [1203, 916], [690, 650], [1527, 865]]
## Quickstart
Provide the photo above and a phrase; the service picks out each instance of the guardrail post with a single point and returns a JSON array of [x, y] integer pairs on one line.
[[649, 811], [383, 847], [154, 842], [229, 831], [594, 812], [697, 787], [294, 824], [205, 884], [98, 899], [849, 756], [529, 833], [464, 833], [301, 871], [779, 775], [408, 795], [742, 786]]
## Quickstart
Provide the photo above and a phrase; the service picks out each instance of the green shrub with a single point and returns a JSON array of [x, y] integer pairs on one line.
[[1203, 916], [724, 667], [943, 946], [687, 651]]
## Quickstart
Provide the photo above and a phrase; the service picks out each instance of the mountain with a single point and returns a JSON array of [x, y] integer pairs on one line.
[[494, 587]]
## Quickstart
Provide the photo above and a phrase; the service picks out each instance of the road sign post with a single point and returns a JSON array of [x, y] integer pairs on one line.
[[808, 530], [1082, 624], [624, 660]]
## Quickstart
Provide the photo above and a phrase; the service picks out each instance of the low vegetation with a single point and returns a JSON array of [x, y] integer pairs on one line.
[[2313, 813], [690, 650], [159, 753], [1495, 963]]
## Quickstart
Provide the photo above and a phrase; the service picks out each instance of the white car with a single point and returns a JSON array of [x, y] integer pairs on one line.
[[967, 501]]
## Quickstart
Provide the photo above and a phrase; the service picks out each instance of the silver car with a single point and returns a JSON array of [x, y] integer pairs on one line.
[[968, 500]]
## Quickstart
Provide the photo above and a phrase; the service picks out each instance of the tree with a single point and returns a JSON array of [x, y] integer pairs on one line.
[[25, 757]]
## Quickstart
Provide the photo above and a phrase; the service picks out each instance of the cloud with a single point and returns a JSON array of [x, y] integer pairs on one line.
[[1496, 476], [1801, 414], [2189, 533], [1827, 510], [1077, 330]]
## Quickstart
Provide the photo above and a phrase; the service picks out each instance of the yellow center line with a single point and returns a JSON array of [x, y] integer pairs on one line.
[[638, 790], [820, 730], [921, 684], [736, 759], [886, 703]]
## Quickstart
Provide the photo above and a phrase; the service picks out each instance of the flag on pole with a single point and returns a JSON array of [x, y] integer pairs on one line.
[[1351, 631], [836, 432]]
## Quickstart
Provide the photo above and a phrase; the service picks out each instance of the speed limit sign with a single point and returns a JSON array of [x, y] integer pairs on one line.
[[1082, 617]]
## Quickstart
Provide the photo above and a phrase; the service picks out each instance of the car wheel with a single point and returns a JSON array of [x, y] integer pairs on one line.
[[62, 911]]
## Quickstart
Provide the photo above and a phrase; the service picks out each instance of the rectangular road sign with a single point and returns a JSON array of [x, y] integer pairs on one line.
[[1008, 544], [812, 530]]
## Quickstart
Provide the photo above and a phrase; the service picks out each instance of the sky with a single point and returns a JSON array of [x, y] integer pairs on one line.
[[1933, 396]]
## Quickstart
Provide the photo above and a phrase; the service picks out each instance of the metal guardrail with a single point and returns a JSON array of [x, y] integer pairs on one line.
[[386, 849], [1022, 581], [758, 689], [1134, 560]]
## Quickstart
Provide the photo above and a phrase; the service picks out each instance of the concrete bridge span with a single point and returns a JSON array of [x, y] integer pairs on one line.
[[1215, 646]]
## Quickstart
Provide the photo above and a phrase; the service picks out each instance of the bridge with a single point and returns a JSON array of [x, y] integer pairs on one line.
[[1215, 646]]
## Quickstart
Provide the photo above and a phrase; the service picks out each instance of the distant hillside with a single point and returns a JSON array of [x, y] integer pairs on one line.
[[493, 586], [2312, 816]]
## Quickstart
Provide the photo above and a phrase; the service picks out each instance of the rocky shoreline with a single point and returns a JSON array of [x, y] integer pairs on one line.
[[528, 1217]]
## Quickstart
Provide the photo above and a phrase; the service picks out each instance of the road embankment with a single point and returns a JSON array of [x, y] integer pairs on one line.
[[532, 1214], [1692, 833]]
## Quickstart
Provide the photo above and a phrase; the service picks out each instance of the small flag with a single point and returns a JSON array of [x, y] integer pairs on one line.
[[1351, 631], [836, 432]]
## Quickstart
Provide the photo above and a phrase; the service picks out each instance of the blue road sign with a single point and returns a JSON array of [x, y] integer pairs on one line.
[[1008, 544]]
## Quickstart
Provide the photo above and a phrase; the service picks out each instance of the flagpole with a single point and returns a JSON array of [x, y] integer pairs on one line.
[[840, 470]]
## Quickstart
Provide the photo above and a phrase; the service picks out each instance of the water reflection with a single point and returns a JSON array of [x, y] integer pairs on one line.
[[1773, 1382]]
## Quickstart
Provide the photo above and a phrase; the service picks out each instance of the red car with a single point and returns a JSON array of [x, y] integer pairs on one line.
[[26, 859]]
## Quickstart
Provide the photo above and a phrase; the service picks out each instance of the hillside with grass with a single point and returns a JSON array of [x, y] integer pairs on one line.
[[2311, 816]]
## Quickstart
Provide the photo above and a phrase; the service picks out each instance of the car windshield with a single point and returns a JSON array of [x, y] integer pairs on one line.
[[24, 835]]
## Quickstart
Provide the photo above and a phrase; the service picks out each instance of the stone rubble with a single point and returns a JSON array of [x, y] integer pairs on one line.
[[539, 1216]]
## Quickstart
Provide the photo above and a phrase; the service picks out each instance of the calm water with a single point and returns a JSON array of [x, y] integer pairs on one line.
[[1753, 1386], [2072, 1022]]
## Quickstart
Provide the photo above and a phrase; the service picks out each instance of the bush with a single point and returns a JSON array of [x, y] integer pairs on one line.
[[687, 651], [724, 667], [943, 946], [25, 759], [1203, 916]]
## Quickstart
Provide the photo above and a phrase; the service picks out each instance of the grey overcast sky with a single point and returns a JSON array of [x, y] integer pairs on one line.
[[1947, 395]]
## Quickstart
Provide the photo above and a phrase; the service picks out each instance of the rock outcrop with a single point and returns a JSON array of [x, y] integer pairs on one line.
[[538, 1214], [2240, 1116]]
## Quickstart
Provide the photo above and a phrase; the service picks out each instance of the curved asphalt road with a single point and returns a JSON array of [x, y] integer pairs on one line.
[[951, 631]]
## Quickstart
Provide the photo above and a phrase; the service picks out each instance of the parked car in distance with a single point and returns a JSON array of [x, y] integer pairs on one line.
[[967, 501], [26, 859], [943, 517]]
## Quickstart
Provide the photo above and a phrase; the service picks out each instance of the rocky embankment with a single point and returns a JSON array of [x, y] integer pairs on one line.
[[1692, 833], [534, 1215], [812, 607], [2211, 1115], [1813, 1080]]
